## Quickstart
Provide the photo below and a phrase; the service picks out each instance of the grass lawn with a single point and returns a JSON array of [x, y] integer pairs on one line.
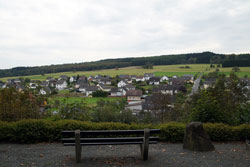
[[90, 101], [168, 70]]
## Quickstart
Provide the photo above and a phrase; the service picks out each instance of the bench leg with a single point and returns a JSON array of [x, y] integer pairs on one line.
[[78, 146], [145, 145]]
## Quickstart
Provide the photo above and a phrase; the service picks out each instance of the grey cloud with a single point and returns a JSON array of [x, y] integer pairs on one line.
[[63, 31]]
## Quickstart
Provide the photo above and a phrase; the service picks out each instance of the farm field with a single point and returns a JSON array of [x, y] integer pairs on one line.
[[168, 70]]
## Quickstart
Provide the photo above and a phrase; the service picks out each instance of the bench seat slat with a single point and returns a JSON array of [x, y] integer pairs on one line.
[[95, 140], [109, 143]]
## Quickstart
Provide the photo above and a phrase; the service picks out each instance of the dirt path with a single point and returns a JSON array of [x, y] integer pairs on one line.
[[162, 154]]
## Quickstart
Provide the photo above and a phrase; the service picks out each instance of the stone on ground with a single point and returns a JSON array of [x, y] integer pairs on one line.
[[196, 139]]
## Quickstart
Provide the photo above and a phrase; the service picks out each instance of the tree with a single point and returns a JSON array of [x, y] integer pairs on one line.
[[221, 103], [76, 111], [148, 66], [235, 69], [15, 105], [100, 93], [162, 104]]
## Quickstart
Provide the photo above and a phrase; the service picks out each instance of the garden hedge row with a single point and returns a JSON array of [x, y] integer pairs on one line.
[[32, 131]]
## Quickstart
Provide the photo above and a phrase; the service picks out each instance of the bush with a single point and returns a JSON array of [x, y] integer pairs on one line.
[[33, 131], [172, 132], [100, 93]]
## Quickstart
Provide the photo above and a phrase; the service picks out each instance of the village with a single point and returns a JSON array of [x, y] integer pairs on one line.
[[140, 91]]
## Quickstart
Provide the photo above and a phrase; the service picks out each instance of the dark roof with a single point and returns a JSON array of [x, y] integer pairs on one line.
[[92, 88], [162, 87], [82, 78], [83, 85], [60, 82], [44, 83], [104, 86], [134, 93], [79, 82], [114, 90], [154, 79], [22, 87], [47, 89], [65, 77], [122, 76], [129, 86]]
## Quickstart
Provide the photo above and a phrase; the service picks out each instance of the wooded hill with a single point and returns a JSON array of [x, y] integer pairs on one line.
[[227, 60]]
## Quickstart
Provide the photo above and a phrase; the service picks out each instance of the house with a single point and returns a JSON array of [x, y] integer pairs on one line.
[[117, 92], [44, 83], [82, 87], [121, 84], [176, 81], [134, 107], [164, 78], [63, 77], [20, 87], [61, 84], [82, 78], [124, 77], [140, 79], [33, 85], [175, 76], [246, 82], [48, 79], [91, 78], [80, 82], [1, 84], [209, 82], [165, 89], [147, 76], [129, 87], [134, 95], [72, 79], [17, 81], [105, 81], [148, 105], [104, 87], [133, 77], [91, 89], [52, 83], [9, 85], [154, 81], [45, 90], [190, 76]]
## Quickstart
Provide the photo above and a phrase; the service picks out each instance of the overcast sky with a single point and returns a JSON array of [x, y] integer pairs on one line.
[[44, 32]]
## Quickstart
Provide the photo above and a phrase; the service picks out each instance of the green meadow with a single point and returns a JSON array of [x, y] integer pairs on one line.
[[168, 70], [90, 101]]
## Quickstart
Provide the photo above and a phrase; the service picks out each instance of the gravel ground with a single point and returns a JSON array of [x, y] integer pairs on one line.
[[161, 154]]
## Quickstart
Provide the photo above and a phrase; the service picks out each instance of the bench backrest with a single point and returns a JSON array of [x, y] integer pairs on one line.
[[102, 137]]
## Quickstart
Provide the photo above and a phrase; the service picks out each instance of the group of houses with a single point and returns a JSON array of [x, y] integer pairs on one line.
[[119, 86]]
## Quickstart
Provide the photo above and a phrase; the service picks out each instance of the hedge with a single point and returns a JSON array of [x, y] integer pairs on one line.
[[33, 131]]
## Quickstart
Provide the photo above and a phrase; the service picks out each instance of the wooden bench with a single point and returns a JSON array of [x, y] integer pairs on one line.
[[110, 137]]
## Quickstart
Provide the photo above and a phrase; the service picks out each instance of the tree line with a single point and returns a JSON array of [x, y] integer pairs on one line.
[[229, 60]]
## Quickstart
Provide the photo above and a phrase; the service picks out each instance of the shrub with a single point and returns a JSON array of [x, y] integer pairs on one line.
[[172, 132], [32, 131], [221, 132]]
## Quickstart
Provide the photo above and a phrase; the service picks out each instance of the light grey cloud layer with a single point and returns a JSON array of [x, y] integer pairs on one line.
[[34, 32]]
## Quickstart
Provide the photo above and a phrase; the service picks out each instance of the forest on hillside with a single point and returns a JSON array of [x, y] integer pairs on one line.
[[227, 60]]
